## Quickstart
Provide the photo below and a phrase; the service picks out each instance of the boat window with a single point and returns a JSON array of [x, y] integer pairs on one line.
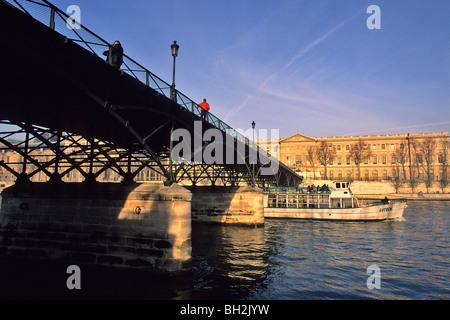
[[338, 185]]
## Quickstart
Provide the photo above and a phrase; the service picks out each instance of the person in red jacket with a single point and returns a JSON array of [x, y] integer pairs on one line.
[[205, 108]]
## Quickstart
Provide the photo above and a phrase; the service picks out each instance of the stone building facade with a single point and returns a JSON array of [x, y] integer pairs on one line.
[[424, 156]]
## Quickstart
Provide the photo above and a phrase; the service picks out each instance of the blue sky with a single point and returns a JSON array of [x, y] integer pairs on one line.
[[301, 66]]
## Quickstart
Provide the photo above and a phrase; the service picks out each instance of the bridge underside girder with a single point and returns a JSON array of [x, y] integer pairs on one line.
[[47, 155]]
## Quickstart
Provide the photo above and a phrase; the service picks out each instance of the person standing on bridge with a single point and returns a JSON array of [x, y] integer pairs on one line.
[[205, 108], [114, 55]]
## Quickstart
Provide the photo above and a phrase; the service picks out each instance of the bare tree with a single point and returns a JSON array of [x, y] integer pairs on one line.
[[358, 152], [311, 157], [325, 153], [401, 154], [444, 159], [414, 160], [424, 153], [397, 181]]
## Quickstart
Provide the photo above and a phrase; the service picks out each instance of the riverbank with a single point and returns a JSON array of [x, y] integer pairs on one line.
[[407, 196]]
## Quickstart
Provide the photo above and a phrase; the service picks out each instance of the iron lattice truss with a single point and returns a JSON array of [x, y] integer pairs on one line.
[[34, 153]]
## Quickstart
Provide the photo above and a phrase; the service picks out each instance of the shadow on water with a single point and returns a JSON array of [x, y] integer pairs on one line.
[[229, 262], [36, 280]]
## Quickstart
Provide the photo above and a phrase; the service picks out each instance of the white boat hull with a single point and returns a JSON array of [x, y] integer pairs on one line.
[[391, 210]]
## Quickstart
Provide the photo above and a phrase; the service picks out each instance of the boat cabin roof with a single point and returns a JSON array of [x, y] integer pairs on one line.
[[338, 189]]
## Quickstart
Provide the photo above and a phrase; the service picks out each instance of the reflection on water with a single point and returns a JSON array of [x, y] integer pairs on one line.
[[286, 259], [228, 262]]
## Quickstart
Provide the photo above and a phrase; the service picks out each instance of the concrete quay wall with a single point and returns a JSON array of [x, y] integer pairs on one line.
[[227, 205], [145, 226]]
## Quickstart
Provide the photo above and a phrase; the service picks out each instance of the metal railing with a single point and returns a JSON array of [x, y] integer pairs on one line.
[[296, 190], [61, 22]]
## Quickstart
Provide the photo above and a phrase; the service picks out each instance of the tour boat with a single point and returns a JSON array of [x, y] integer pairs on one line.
[[336, 202]]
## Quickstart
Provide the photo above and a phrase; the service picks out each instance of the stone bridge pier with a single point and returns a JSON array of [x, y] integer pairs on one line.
[[142, 225]]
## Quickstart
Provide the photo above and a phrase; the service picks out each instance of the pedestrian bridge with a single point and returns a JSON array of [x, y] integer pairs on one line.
[[58, 87]]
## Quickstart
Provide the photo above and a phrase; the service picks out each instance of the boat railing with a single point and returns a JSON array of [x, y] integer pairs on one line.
[[298, 200], [296, 190]]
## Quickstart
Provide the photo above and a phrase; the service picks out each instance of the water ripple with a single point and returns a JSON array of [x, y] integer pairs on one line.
[[300, 259]]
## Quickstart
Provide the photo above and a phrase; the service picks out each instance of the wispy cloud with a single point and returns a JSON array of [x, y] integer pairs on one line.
[[263, 85], [311, 45], [396, 129]]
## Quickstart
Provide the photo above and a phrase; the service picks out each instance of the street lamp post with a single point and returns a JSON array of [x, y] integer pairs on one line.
[[173, 96], [174, 48], [253, 175]]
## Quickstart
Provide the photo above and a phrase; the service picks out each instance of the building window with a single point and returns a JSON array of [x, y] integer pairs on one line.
[[383, 147], [340, 174], [349, 175], [385, 175], [366, 160], [375, 175], [375, 160], [393, 159], [383, 159], [374, 147], [392, 146], [298, 160], [420, 174], [331, 174], [339, 161], [366, 175], [348, 161], [339, 148], [347, 147], [419, 159], [441, 158]]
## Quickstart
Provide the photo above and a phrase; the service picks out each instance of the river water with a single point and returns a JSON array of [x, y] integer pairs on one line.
[[284, 260], [305, 259]]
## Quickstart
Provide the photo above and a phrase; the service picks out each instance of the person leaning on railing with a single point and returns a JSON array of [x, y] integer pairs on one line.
[[114, 55], [205, 108]]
